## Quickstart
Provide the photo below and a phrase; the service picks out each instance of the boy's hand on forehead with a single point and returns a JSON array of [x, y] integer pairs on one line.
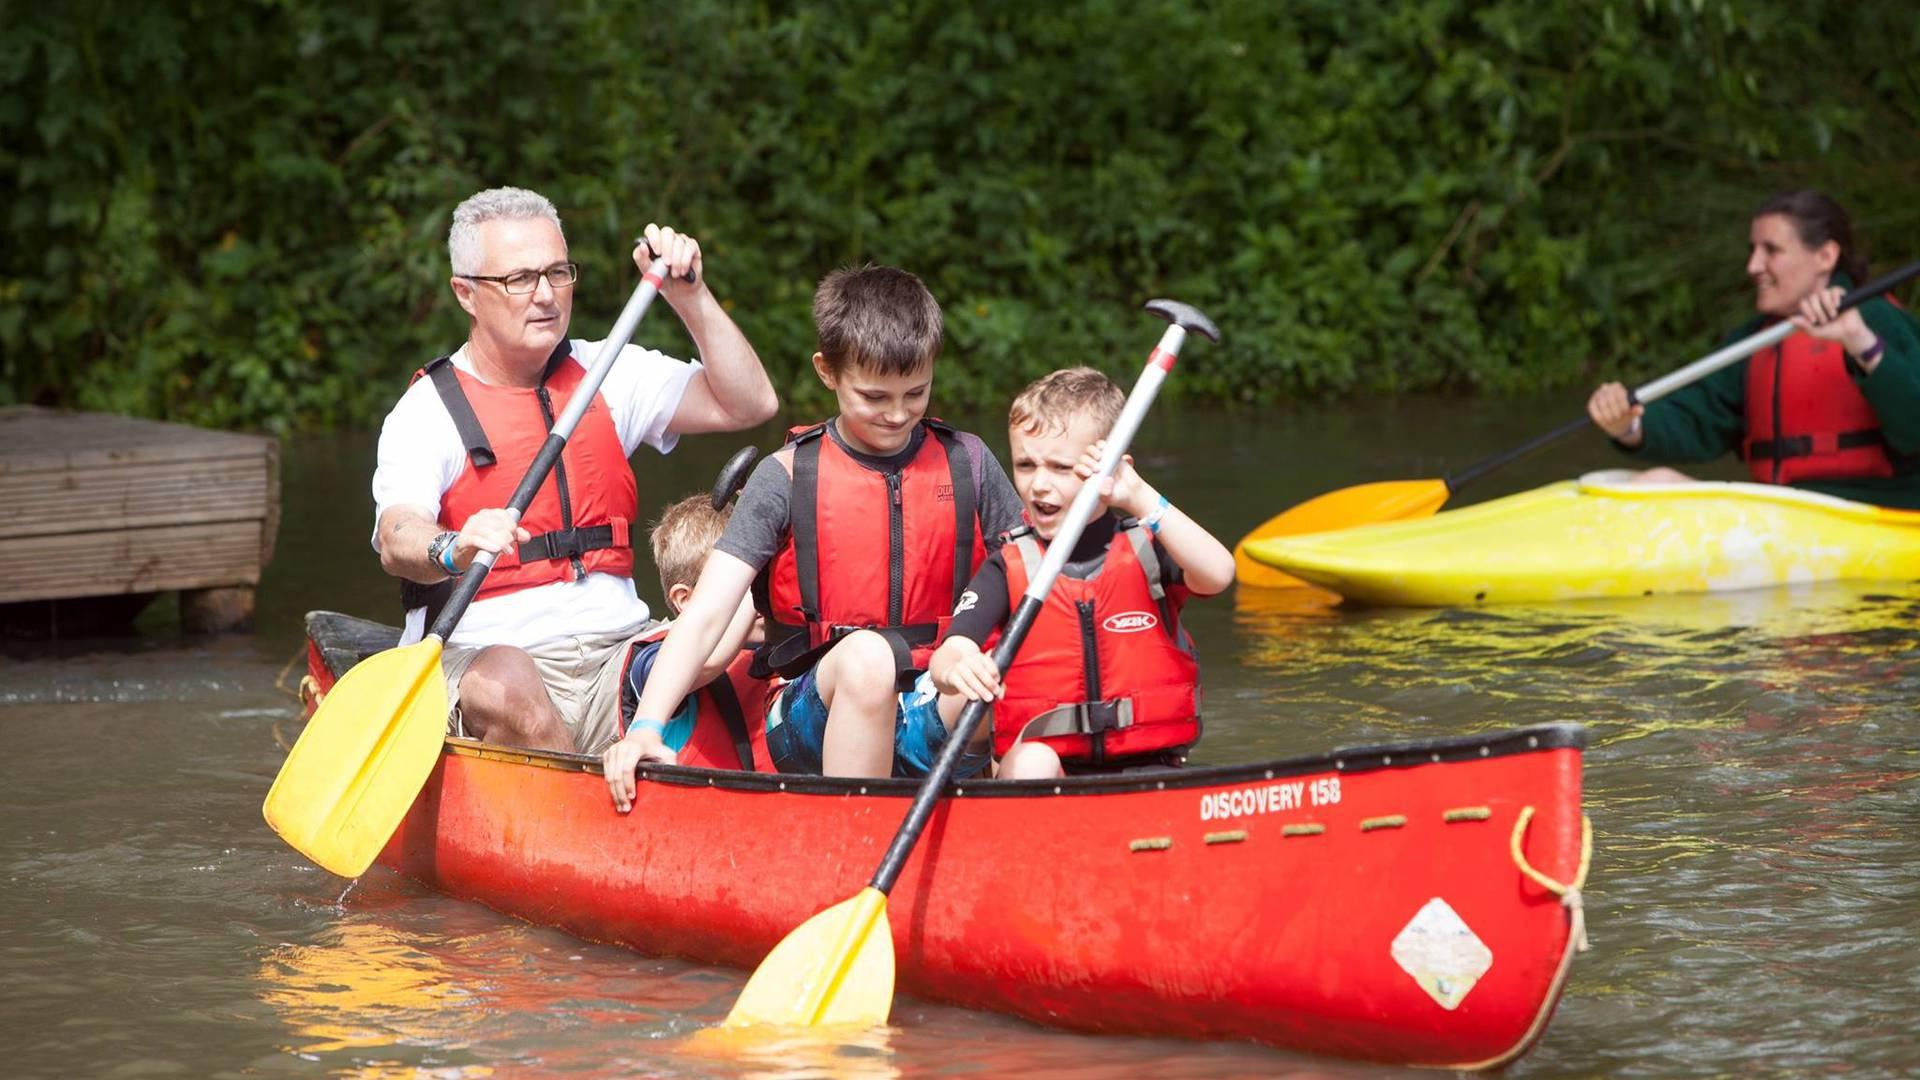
[[1124, 490]]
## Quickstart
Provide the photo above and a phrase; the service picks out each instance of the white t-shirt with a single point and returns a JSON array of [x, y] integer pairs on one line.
[[421, 455]]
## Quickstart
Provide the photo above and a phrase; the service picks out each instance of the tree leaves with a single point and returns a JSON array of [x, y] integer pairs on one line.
[[235, 214]]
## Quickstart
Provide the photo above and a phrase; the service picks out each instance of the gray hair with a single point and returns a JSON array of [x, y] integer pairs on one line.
[[493, 204]]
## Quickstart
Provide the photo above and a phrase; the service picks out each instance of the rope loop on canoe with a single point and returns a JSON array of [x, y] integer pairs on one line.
[[1568, 893], [310, 693]]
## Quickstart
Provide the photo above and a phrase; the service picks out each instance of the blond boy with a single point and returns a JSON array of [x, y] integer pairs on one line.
[[1107, 677]]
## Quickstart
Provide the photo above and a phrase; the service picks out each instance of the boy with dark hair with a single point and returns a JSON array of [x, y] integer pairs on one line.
[[1106, 678], [855, 540]]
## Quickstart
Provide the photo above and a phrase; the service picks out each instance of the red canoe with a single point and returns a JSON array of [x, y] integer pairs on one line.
[[1395, 903]]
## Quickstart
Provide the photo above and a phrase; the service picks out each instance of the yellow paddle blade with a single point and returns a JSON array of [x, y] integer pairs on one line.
[[1362, 504], [361, 761], [835, 968]]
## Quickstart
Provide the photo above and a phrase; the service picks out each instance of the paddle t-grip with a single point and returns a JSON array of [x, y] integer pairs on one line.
[[733, 476], [1186, 317]]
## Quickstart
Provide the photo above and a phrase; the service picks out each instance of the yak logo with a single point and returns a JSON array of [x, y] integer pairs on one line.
[[1131, 622], [967, 602]]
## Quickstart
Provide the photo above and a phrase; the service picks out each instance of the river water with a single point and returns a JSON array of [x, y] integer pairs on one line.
[[1754, 902]]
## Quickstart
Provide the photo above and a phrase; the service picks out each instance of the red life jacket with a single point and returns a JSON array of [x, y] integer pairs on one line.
[[867, 549], [581, 518], [1806, 420], [729, 719], [1106, 672]]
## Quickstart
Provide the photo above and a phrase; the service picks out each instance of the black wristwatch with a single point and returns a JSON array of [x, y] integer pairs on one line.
[[437, 549]]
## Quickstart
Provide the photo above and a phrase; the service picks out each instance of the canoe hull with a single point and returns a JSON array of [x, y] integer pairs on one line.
[[1600, 537], [1364, 904]]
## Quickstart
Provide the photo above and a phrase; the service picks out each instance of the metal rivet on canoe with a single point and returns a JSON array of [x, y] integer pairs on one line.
[[1269, 774], [1309, 829], [1436, 757], [1533, 742], [1339, 764], [1484, 751], [863, 791], [1466, 813], [1387, 821], [1160, 785], [783, 785], [1386, 759], [1056, 789], [1481, 595], [959, 791], [1151, 843], [1234, 836]]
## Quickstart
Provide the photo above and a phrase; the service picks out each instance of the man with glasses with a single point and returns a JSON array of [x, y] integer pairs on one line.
[[535, 661]]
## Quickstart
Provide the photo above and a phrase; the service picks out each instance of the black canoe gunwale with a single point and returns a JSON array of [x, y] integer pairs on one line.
[[343, 641]]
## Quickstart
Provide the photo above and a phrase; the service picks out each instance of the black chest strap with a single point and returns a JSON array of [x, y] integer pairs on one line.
[[473, 437]]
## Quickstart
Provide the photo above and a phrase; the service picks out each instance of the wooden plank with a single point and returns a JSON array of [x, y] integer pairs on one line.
[[33, 439], [270, 526], [144, 560], [137, 496]]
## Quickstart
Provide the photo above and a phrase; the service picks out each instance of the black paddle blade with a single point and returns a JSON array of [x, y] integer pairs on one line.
[[1186, 317], [733, 475]]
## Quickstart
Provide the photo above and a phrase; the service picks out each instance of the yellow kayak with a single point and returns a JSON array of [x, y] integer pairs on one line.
[[1602, 536]]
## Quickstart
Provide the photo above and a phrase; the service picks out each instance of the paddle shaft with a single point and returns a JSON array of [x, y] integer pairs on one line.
[[1085, 504], [1692, 373], [468, 586]]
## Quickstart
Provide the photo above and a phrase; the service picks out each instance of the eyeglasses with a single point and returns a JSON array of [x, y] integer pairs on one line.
[[525, 281]]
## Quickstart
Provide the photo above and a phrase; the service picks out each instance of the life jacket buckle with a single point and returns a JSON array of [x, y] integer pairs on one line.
[[558, 544], [1081, 718]]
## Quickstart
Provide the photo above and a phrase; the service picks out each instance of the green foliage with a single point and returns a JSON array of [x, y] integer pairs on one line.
[[235, 214]]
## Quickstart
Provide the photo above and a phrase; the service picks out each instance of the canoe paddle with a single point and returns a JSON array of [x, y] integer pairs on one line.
[[837, 967], [1395, 500], [371, 745]]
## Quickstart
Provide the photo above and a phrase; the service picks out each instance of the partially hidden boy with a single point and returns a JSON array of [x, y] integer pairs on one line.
[[717, 725]]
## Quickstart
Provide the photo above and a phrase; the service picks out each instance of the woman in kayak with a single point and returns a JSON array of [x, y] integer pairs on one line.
[[1834, 408]]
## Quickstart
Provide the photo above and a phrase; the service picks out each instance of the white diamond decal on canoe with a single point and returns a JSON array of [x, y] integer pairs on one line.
[[1441, 953]]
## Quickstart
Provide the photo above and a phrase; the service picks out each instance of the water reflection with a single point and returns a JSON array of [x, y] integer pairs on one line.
[[1762, 646], [363, 985], [763, 1053]]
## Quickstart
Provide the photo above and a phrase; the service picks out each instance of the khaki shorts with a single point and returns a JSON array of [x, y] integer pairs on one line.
[[583, 677]]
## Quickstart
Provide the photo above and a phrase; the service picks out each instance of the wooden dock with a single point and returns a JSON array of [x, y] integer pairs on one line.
[[93, 505]]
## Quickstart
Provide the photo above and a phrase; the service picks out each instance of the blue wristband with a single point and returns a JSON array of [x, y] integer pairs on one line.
[[446, 560], [1152, 521], [647, 723]]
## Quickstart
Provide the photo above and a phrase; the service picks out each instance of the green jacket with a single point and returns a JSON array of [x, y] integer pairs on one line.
[[1707, 419]]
